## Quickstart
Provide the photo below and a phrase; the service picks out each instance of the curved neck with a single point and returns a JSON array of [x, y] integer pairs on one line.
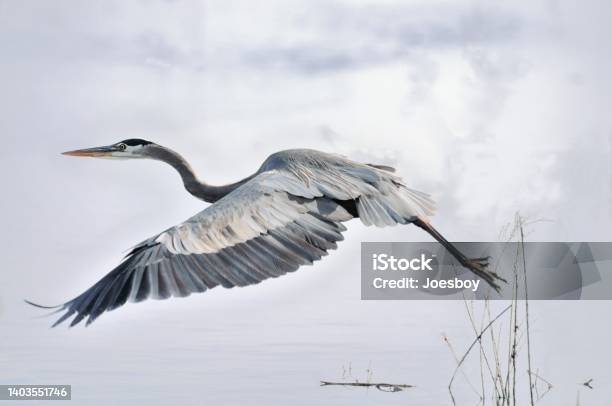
[[197, 188]]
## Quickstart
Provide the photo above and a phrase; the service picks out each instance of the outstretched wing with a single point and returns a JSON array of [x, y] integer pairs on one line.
[[288, 215], [256, 232], [381, 198]]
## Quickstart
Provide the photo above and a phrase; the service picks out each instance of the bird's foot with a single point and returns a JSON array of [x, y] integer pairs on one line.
[[480, 267]]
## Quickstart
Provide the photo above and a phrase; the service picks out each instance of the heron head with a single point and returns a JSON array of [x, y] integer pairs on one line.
[[126, 149]]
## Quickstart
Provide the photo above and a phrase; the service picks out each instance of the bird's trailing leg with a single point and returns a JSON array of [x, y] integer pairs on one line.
[[477, 265]]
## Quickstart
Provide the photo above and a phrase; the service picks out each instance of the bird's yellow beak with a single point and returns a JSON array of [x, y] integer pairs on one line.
[[92, 152]]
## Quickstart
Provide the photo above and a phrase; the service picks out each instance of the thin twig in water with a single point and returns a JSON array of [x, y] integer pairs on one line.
[[475, 328], [549, 385], [452, 350], [526, 309], [483, 355], [476, 340], [505, 380], [385, 387]]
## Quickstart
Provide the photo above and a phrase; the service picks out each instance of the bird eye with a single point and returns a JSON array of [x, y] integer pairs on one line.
[[122, 146]]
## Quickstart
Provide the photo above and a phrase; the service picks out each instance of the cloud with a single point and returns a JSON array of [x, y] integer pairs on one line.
[[353, 37]]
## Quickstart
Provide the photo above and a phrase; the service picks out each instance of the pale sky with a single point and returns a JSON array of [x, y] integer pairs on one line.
[[492, 107]]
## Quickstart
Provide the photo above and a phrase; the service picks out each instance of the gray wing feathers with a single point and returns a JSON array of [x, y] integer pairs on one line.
[[285, 217], [382, 198], [165, 274]]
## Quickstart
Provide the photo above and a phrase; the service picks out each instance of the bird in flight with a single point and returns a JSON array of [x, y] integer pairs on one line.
[[287, 214]]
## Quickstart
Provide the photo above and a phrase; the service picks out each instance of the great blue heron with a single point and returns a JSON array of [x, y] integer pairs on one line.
[[287, 214]]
